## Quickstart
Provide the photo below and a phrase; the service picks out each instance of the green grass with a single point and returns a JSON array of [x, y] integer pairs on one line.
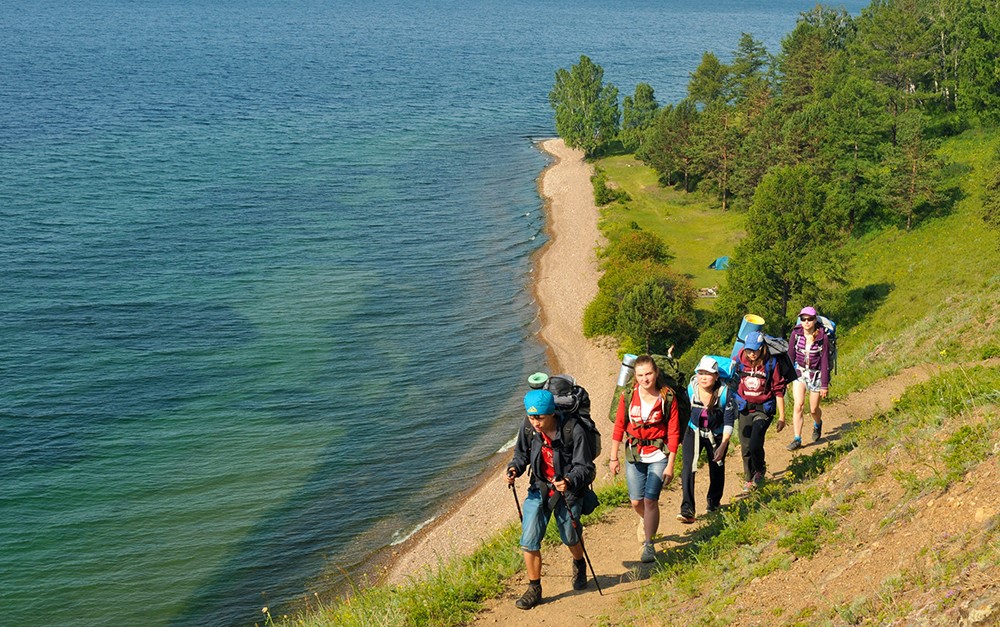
[[695, 230]]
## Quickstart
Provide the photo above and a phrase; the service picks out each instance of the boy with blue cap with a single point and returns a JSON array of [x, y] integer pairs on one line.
[[561, 470]]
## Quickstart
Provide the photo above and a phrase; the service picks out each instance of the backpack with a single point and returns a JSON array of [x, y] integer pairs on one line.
[[727, 375], [777, 347], [670, 377], [830, 328], [574, 402]]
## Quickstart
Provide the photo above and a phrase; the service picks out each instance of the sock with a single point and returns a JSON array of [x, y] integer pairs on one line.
[[535, 583]]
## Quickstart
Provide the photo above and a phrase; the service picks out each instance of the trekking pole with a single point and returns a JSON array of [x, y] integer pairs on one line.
[[517, 502], [579, 532]]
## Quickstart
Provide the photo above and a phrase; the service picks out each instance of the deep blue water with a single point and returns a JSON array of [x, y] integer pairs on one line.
[[265, 277]]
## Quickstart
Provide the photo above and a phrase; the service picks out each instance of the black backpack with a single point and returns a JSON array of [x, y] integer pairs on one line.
[[574, 402], [777, 347]]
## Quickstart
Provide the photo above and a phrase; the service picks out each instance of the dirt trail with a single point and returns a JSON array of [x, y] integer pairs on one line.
[[614, 548]]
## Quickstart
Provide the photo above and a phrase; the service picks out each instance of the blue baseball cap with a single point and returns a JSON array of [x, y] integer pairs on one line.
[[755, 339], [539, 402]]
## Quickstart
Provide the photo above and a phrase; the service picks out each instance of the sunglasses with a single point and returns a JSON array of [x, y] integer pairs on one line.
[[806, 318]]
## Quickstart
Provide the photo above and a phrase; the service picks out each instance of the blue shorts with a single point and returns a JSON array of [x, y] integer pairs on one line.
[[536, 519], [645, 481]]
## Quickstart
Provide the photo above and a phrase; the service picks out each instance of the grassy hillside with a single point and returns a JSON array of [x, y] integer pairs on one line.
[[914, 484]]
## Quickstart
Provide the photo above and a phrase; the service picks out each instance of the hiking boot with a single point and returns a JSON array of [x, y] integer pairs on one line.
[[817, 431], [648, 552], [531, 597], [580, 574], [687, 519], [713, 506], [795, 445]]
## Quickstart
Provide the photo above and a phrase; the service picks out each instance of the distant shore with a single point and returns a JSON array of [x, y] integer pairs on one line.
[[565, 281]]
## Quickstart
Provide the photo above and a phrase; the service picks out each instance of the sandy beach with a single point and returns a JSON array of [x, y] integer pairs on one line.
[[566, 275]]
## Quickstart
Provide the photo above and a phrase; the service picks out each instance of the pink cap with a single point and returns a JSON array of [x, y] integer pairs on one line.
[[807, 311]]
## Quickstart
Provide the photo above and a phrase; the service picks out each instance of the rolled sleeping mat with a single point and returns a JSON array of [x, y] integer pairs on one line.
[[751, 322]]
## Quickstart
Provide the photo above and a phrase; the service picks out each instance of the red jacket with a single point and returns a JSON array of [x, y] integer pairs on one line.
[[656, 428]]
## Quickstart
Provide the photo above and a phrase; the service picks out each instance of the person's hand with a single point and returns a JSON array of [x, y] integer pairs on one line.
[[614, 466], [561, 485], [823, 393], [668, 475], [720, 453], [780, 425], [511, 476]]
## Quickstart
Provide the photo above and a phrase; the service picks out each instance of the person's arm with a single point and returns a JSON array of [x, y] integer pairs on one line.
[[728, 422], [673, 439], [616, 436], [583, 470], [522, 451], [824, 365]]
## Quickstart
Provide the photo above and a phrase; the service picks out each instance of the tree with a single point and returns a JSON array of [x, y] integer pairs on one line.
[[638, 114], [748, 71], [978, 71], [668, 143], [586, 109], [792, 247], [709, 82], [714, 144], [991, 197], [656, 313], [913, 171]]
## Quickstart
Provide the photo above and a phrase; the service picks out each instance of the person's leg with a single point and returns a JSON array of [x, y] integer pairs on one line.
[[635, 479], [570, 535], [758, 431], [687, 476], [533, 523], [799, 393], [651, 498], [799, 396], [744, 428], [817, 414], [533, 565], [716, 476]]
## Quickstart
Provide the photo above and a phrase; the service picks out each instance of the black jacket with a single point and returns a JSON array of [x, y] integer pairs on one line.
[[572, 459]]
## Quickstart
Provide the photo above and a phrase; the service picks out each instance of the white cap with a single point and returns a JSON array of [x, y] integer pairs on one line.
[[707, 364]]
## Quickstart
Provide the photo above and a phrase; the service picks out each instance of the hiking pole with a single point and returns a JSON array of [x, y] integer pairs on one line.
[[517, 502], [579, 532]]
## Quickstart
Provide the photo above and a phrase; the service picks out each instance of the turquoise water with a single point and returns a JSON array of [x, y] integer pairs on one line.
[[264, 278]]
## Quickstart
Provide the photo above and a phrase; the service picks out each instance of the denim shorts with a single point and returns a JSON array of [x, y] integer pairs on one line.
[[645, 481], [535, 519]]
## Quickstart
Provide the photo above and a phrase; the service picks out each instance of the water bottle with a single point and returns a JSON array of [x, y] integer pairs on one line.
[[628, 367]]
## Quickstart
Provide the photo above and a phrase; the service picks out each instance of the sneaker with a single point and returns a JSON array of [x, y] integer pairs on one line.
[[713, 506], [817, 431], [648, 552], [580, 574], [531, 597], [687, 519], [795, 445], [758, 479], [749, 487]]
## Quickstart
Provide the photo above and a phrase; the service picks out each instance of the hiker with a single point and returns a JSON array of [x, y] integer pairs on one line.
[[561, 470], [709, 428], [809, 350], [648, 423], [760, 394]]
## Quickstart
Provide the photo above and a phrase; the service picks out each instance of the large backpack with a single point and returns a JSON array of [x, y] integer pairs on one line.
[[830, 328], [574, 402], [777, 347]]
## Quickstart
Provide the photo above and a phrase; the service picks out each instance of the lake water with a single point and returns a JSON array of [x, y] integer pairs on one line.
[[265, 273]]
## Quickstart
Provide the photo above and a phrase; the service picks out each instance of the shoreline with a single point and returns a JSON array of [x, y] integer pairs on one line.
[[565, 275]]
